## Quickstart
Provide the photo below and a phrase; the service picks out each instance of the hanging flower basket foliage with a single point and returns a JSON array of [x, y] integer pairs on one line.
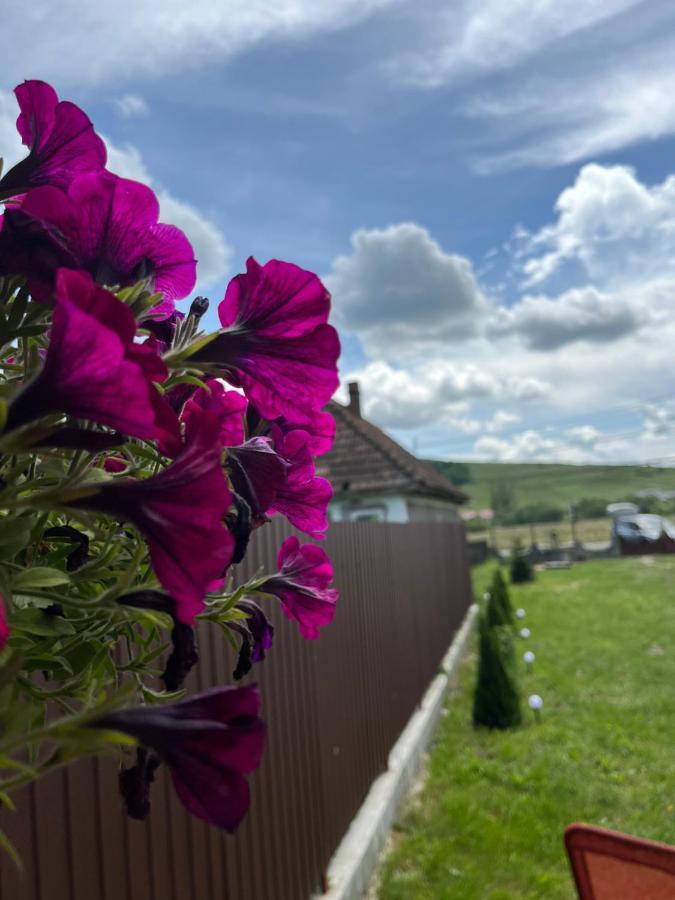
[[138, 452]]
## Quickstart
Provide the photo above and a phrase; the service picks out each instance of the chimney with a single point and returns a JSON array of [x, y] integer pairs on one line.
[[354, 399]]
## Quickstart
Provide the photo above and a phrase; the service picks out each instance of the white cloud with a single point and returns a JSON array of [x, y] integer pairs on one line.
[[211, 249], [584, 434], [438, 392], [478, 36], [583, 314], [500, 421], [400, 291], [531, 445], [576, 110], [608, 222], [659, 420], [150, 37], [131, 106]]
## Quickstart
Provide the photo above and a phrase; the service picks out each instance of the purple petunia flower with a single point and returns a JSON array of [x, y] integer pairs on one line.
[[302, 586], [320, 430], [257, 635], [180, 513], [275, 342], [257, 473], [105, 225], [304, 496], [4, 627], [93, 370], [61, 140], [228, 406], [210, 742]]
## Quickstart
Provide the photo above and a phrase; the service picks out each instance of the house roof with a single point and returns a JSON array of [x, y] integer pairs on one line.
[[364, 460]]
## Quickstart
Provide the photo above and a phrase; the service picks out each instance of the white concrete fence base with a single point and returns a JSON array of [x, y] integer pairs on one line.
[[354, 862]]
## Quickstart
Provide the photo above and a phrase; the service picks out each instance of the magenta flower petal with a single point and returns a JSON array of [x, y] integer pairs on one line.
[[302, 586], [4, 626], [210, 742], [228, 406], [60, 138], [173, 262], [275, 341], [91, 369], [180, 513], [320, 428], [304, 496], [278, 299], [257, 473], [107, 226], [305, 506]]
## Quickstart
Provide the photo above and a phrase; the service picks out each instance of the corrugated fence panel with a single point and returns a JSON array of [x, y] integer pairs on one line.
[[333, 708]]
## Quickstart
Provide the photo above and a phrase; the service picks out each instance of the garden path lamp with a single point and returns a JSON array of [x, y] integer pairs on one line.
[[535, 703]]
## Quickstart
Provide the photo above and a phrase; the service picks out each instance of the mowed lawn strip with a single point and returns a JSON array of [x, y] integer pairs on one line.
[[488, 823]]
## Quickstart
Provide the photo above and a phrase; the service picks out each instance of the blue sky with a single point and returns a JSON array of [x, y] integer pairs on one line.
[[488, 189]]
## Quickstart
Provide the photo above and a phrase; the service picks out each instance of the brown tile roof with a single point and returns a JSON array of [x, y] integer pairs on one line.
[[365, 459]]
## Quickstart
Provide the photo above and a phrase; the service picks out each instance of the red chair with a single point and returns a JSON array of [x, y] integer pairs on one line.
[[609, 865]]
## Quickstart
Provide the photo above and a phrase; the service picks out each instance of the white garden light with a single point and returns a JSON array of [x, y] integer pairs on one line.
[[520, 613], [528, 657], [486, 596], [535, 703], [525, 633]]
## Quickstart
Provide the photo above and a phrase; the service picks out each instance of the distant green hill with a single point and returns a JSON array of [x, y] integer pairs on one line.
[[554, 484]]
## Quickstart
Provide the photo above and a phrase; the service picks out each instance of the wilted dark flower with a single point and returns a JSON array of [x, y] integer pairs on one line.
[[256, 634], [135, 784], [210, 742]]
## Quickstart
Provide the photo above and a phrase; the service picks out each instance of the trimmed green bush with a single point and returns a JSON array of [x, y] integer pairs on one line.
[[521, 567], [498, 608], [496, 702]]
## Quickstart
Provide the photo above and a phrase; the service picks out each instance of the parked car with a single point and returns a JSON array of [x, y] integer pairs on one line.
[[648, 532]]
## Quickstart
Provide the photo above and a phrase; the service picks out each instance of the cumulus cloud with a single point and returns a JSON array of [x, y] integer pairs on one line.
[[131, 106], [150, 37], [659, 420], [438, 392], [610, 226], [532, 446], [399, 291], [211, 249], [584, 314]]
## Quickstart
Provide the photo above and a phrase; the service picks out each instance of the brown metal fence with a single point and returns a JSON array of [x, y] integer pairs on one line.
[[334, 708]]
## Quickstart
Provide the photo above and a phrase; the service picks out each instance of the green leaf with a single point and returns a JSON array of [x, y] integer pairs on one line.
[[10, 849], [36, 621], [15, 528], [39, 577]]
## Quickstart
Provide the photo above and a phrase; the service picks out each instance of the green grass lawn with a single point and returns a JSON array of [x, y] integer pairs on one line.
[[488, 822]]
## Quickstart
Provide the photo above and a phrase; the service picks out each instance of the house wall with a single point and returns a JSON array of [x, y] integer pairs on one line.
[[392, 508], [427, 509], [376, 507]]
